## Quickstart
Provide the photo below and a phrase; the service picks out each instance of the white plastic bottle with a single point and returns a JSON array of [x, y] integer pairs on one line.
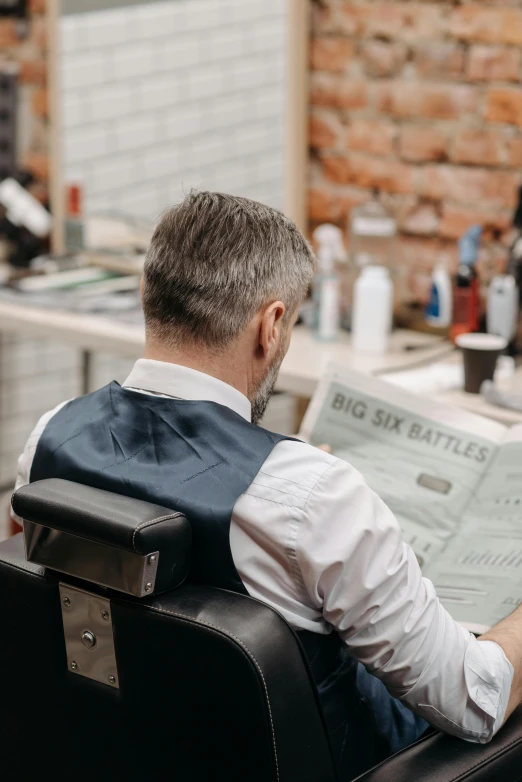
[[502, 306], [372, 310]]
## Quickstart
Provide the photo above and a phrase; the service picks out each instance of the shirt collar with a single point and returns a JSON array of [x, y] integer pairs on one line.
[[161, 377]]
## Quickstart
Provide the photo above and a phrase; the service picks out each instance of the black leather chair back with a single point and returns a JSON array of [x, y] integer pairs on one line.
[[210, 685]]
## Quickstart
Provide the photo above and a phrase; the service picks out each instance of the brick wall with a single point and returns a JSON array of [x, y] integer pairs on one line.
[[29, 52], [422, 100], [165, 96]]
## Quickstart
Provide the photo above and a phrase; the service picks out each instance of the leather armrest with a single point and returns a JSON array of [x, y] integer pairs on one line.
[[442, 758], [111, 520]]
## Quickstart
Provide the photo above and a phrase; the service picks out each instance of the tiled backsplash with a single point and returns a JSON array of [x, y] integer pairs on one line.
[[165, 96]]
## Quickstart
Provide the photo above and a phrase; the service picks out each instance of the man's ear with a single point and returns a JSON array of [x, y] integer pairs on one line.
[[270, 328]]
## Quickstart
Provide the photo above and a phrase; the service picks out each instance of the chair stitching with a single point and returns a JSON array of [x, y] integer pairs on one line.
[[150, 524], [5, 558], [486, 761], [425, 739], [249, 653]]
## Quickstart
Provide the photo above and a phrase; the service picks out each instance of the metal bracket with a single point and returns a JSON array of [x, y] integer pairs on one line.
[[91, 561], [89, 637]]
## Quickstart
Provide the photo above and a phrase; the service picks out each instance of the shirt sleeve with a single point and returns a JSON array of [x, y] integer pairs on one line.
[[368, 584], [25, 461]]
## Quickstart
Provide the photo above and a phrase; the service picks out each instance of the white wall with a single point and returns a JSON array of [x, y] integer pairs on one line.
[[165, 96]]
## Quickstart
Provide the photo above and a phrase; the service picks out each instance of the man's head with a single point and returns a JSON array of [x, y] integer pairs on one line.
[[224, 277]]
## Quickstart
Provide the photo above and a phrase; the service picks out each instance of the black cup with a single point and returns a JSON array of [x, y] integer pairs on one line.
[[480, 353]]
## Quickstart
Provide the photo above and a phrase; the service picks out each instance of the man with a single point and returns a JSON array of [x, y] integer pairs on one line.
[[273, 517]]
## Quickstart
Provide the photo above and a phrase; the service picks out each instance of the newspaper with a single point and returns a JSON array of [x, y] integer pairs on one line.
[[453, 480]]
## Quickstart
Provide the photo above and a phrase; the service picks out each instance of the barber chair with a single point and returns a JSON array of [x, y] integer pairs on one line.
[[114, 668]]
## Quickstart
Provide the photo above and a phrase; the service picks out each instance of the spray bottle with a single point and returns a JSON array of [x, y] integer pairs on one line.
[[326, 286], [439, 309], [466, 288]]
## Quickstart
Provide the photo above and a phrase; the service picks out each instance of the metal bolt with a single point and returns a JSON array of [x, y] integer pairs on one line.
[[74, 665], [152, 559], [112, 679], [148, 587], [66, 601], [105, 615], [88, 639]]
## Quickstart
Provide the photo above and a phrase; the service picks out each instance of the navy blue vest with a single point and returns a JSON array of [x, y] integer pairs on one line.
[[199, 457]]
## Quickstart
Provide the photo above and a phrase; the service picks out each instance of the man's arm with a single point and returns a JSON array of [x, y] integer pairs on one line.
[[366, 581], [508, 635]]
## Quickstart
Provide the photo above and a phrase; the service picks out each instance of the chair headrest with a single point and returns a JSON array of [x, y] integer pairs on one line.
[[102, 537]]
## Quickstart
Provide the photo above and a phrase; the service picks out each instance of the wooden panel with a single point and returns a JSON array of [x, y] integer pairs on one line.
[[55, 128], [298, 27]]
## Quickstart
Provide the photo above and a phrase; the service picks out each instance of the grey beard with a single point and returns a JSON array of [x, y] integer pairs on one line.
[[262, 395]]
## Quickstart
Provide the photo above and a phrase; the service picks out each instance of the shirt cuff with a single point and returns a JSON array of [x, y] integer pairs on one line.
[[471, 704], [489, 676]]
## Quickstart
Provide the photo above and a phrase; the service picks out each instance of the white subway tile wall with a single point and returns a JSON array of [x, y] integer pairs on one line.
[[36, 376], [165, 96]]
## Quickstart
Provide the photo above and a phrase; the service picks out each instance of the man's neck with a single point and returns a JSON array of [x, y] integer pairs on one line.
[[223, 366]]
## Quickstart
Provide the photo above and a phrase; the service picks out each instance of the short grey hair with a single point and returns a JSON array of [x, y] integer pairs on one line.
[[214, 261]]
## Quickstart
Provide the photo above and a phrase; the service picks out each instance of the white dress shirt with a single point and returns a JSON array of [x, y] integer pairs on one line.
[[312, 540]]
